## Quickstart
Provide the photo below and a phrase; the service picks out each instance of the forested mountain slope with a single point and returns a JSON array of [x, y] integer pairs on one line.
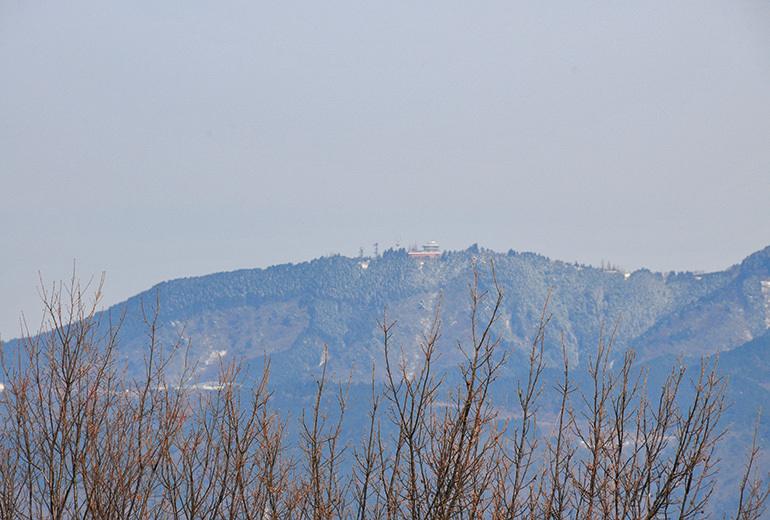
[[292, 312], [331, 309]]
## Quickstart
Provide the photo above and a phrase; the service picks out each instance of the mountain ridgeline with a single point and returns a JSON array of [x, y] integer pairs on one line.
[[293, 314], [328, 319]]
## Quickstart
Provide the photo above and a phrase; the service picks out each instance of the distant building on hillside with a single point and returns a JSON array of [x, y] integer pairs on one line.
[[429, 250]]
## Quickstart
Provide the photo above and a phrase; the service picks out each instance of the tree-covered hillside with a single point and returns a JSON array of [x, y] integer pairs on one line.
[[290, 312], [395, 387]]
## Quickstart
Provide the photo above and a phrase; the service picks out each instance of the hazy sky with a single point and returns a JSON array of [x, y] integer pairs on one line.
[[157, 140]]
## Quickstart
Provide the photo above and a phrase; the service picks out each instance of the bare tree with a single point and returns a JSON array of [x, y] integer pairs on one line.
[[80, 439], [323, 488]]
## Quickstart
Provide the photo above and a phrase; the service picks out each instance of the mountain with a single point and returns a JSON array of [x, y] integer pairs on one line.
[[331, 308], [736, 311], [297, 314], [291, 312]]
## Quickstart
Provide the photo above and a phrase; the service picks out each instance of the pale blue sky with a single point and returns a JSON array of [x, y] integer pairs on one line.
[[156, 140]]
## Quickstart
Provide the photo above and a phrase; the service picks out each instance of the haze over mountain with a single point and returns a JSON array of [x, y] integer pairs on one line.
[[300, 315], [291, 311], [154, 140]]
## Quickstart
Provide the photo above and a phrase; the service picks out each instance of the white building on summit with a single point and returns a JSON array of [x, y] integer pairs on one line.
[[429, 250]]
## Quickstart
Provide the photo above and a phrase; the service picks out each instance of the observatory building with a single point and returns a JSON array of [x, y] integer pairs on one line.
[[429, 250]]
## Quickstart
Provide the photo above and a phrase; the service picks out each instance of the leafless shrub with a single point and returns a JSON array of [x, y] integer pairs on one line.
[[81, 440]]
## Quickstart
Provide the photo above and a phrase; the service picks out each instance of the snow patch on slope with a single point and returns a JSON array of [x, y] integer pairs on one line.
[[214, 356], [766, 295]]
